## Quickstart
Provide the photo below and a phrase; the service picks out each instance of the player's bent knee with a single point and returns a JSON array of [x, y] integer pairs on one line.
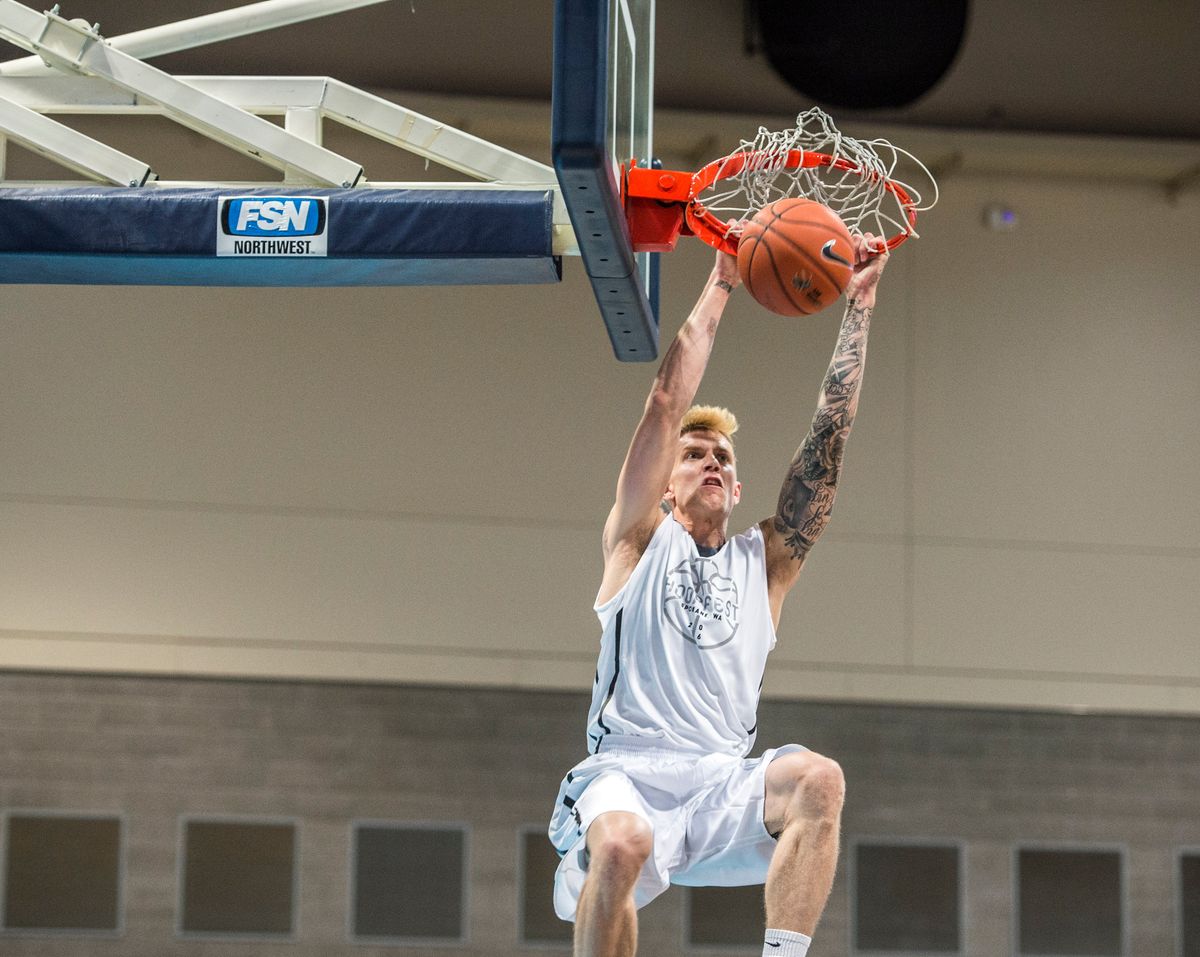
[[814, 782], [619, 843], [824, 786]]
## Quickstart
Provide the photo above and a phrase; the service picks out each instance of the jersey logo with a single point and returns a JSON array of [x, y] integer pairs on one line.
[[700, 604]]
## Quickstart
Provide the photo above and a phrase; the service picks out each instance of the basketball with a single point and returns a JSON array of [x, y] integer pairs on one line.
[[795, 257]]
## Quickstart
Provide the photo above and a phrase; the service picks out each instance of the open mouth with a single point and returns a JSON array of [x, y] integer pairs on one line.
[[713, 482]]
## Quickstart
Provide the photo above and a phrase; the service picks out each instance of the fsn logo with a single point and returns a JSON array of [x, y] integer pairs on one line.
[[273, 216]]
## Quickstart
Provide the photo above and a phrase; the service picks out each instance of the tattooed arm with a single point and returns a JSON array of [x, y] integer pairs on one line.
[[806, 499]]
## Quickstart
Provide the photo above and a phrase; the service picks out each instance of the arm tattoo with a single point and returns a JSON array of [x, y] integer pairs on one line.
[[806, 499]]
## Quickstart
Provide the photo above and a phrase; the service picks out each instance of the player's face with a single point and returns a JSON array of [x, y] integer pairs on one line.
[[705, 475]]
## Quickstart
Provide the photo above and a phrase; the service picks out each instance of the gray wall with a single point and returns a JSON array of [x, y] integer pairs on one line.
[[327, 754], [408, 484]]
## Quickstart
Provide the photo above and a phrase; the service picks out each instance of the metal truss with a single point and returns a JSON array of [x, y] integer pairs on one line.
[[75, 70]]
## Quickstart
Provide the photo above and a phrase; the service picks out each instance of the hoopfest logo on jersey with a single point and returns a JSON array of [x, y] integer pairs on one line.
[[701, 605]]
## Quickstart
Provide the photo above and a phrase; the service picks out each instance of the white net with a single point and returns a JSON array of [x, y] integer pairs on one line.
[[770, 167]]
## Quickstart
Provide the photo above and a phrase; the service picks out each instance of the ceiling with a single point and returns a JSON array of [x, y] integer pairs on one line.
[[1110, 67]]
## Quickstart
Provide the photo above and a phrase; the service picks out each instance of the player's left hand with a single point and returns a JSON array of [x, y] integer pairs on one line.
[[870, 259]]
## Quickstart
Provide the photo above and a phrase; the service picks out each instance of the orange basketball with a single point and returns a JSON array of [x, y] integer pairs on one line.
[[795, 257]]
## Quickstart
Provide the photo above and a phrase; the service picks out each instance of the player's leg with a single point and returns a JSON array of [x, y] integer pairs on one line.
[[618, 845], [803, 807]]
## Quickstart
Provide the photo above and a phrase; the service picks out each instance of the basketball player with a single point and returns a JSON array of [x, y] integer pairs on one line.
[[689, 615]]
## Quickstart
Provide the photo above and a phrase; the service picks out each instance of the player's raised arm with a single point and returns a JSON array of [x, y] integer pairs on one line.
[[806, 499], [647, 468]]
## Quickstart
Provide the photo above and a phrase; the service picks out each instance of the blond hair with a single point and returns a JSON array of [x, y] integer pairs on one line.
[[709, 418]]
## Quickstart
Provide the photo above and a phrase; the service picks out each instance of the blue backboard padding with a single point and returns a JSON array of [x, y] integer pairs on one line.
[[579, 118], [114, 235], [580, 153], [138, 269]]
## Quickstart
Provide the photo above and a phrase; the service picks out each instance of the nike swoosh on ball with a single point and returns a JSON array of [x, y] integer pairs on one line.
[[828, 253]]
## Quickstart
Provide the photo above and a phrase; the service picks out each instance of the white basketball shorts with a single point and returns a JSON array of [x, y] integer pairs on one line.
[[706, 812]]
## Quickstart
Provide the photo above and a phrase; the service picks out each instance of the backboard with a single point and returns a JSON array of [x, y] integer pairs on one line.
[[603, 118]]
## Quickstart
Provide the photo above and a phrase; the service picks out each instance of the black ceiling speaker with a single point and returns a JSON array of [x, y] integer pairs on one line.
[[867, 55]]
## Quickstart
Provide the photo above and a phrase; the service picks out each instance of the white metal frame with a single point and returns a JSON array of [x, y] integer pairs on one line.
[[69, 148], [200, 31], [77, 71]]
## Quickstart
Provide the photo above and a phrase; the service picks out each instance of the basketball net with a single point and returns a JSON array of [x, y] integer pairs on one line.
[[855, 178]]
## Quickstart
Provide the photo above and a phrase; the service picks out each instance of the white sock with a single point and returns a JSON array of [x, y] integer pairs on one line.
[[785, 943]]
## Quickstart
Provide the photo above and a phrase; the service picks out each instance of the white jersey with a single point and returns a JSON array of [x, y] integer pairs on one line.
[[684, 646]]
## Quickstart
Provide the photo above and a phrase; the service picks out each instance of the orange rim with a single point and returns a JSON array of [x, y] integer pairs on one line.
[[708, 227]]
